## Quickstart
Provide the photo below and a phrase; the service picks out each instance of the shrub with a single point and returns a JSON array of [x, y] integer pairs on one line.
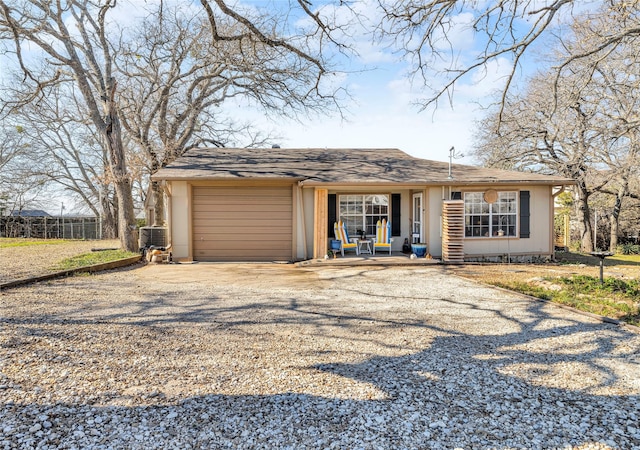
[[628, 249]]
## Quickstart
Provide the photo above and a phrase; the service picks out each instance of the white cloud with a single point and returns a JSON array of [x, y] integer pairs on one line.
[[459, 33], [369, 53], [487, 80], [352, 23]]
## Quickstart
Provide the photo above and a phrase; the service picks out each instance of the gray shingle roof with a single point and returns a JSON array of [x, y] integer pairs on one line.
[[333, 166]]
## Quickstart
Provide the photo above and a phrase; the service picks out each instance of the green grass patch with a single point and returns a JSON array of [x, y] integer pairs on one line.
[[583, 284], [615, 298], [90, 259], [584, 258], [525, 288], [632, 260], [23, 242]]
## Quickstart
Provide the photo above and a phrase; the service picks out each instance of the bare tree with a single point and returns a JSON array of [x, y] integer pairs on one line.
[[20, 187], [253, 52], [182, 68], [623, 158], [608, 79], [534, 136], [175, 80], [12, 146], [74, 38], [65, 149], [579, 121], [425, 31]]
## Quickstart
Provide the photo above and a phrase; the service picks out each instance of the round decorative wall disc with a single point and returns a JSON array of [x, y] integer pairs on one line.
[[491, 196]]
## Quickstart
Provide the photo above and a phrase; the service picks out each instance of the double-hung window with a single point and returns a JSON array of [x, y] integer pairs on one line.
[[362, 212], [495, 219]]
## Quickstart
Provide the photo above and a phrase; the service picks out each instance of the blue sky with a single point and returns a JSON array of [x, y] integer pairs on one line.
[[382, 112]]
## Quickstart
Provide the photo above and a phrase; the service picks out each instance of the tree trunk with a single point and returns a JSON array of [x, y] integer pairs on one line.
[[584, 216], [615, 217], [158, 194], [109, 224], [126, 218], [613, 237]]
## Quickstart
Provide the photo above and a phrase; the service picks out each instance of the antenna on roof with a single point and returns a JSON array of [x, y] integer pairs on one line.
[[452, 155]]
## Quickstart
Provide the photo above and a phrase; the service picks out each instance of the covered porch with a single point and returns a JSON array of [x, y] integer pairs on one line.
[[395, 259]]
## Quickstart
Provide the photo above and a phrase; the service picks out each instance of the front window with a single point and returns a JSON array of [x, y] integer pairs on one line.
[[483, 219], [362, 212]]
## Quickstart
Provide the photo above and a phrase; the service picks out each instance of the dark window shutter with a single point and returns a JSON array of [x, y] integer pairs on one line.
[[331, 213], [456, 195], [395, 215], [525, 228]]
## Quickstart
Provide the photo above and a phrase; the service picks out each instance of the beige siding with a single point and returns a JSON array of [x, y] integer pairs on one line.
[[180, 205], [242, 223]]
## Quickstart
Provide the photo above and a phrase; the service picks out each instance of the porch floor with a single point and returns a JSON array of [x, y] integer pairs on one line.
[[380, 259]]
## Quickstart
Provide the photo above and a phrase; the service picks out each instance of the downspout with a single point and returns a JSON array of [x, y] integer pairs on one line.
[[303, 221], [167, 195], [552, 244], [441, 206]]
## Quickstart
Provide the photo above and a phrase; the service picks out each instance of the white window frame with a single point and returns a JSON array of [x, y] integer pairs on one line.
[[491, 220], [354, 209]]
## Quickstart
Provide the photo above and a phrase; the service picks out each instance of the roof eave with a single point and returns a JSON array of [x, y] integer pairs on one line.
[[227, 179], [440, 183]]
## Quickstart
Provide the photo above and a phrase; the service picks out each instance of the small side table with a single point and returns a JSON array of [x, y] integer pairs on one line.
[[364, 246]]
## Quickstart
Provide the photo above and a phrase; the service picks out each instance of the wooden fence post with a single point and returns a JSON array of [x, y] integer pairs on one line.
[[320, 223]]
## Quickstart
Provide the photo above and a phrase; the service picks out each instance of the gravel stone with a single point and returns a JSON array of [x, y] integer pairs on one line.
[[277, 356]]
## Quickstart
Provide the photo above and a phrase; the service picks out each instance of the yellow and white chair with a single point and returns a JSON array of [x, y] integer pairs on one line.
[[383, 236], [341, 234]]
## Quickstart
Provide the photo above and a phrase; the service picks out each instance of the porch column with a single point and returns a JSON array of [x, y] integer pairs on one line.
[[320, 218]]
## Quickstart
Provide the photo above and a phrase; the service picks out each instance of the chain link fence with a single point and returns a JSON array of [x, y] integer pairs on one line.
[[51, 227]]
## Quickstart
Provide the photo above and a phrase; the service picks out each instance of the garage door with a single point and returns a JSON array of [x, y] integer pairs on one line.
[[242, 223]]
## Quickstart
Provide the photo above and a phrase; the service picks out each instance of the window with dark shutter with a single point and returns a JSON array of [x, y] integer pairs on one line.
[[525, 224], [486, 220], [396, 205]]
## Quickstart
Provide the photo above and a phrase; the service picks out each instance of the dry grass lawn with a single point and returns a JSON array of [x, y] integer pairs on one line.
[[24, 258], [568, 264], [544, 280]]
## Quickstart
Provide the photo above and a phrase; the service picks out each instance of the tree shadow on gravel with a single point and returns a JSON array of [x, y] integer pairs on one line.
[[508, 373]]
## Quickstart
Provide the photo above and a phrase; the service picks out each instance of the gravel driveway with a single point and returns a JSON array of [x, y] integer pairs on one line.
[[276, 356]]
